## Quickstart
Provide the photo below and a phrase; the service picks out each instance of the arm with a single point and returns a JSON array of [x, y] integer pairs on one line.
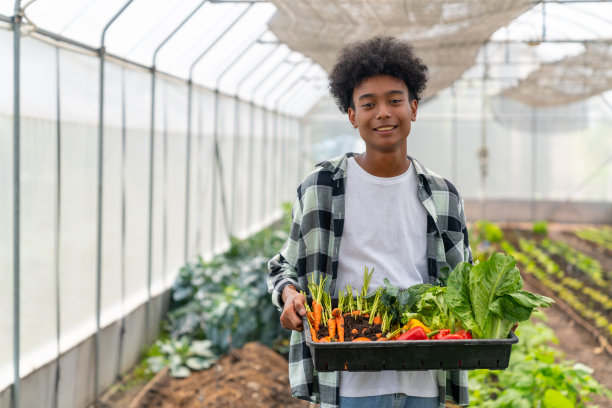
[[282, 278]]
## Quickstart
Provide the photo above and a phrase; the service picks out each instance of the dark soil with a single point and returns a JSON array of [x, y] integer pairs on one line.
[[252, 377], [354, 327]]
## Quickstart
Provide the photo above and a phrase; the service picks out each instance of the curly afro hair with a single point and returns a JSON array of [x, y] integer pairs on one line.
[[377, 56]]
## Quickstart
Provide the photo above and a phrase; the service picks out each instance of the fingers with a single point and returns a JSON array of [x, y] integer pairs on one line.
[[294, 310]]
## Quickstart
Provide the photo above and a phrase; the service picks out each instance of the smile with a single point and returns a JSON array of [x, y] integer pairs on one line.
[[385, 128]]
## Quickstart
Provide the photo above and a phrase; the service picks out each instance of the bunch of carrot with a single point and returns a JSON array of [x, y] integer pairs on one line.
[[348, 305]]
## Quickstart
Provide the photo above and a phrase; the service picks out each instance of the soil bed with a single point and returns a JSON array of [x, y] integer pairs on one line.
[[355, 326], [252, 377]]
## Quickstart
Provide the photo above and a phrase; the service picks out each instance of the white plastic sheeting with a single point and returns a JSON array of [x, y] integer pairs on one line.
[[241, 192]]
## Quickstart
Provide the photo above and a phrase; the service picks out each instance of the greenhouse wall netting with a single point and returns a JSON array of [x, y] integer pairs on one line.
[[205, 188]]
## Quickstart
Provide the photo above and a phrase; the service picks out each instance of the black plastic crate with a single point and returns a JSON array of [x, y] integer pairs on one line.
[[492, 354]]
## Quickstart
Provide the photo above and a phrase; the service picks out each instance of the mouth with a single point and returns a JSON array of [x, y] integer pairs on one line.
[[385, 128]]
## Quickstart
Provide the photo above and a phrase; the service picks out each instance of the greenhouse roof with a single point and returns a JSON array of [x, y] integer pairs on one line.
[[557, 50]]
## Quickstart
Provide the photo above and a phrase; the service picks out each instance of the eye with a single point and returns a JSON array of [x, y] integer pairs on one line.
[[396, 101], [367, 105]]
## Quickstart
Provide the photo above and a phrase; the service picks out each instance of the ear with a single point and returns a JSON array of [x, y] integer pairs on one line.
[[351, 116], [413, 107]]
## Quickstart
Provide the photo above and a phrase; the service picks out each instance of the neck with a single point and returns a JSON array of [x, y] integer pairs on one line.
[[382, 164]]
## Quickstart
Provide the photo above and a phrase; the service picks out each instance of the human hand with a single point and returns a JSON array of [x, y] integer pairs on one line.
[[294, 310]]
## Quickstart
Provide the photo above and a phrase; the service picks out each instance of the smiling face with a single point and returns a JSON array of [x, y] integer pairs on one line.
[[383, 113]]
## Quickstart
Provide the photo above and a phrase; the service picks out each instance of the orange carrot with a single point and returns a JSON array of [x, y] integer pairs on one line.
[[340, 327], [366, 315], [331, 327], [313, 334], [318, 311], [354, 331], [336, 312], [378, 335], [383, 338], [325, 339], [362, 339], [356, 312], [377, 319], [310, 318]]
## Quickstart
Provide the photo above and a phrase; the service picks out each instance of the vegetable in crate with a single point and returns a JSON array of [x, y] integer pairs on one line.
[[488, 297]]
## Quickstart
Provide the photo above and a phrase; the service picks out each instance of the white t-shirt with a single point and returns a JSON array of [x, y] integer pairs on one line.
[[385, 227]]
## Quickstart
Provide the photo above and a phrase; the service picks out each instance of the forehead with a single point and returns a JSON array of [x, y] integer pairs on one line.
[[379, 85]]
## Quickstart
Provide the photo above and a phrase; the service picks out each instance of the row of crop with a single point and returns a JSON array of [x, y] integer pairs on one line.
[[579, 261], [601, 236], [538, 375], [589, 302]]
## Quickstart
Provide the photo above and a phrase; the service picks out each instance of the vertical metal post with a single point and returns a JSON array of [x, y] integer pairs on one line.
[[58, 201], [102, 51], [274, 135], [123, 229], [251, 134], [216, 145], [483, 151], [151, 170], [16, 198], [290, 90], [454, 132], [235, 141], [534, 132]]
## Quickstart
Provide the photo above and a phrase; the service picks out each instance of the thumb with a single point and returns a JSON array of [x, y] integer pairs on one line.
[[300, 309]]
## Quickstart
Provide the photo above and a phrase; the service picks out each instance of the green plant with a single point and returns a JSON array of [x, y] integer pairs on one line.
[[540, 228], [488, 297], [537, 376], [222, 304]]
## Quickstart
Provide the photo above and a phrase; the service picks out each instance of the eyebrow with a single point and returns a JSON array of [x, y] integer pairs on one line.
[[392, 92]]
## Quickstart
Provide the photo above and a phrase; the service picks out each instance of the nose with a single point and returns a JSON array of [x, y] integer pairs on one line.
[[383, 114]]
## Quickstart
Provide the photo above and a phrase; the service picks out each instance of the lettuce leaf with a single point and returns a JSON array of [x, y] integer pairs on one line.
[[488, 297]]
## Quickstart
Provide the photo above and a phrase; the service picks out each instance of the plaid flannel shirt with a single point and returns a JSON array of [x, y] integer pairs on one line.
[[312, 251]]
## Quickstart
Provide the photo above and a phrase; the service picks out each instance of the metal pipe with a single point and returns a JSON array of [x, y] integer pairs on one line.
[[235, 141], [123, 218], [99, 208], [151, 169], [275, 135], [16, 199], [251, 134], [265, 130], [58, 195], [216, 145]]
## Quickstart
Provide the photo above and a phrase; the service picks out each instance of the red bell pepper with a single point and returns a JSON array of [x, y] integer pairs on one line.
[[441, 334], [416, 333]]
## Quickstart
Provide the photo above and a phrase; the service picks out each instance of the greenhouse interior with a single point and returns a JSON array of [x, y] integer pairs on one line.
[[150, 153]]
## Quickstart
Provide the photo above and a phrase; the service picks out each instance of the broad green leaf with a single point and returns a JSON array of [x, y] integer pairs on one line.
[[197, 363], [554, 399], [179, 371], [458, 297]]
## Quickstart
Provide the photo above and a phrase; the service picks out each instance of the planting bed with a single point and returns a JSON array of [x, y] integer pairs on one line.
[[252, 377]]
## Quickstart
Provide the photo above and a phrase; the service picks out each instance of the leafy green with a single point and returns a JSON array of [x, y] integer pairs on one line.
[[431, 309], [488, 297], [538, 376], [395, 300]]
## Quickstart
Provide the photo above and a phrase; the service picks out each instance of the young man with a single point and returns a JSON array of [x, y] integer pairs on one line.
[[389, 212]]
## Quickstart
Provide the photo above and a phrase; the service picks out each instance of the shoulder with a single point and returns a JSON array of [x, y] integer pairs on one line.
[[436, 183], [325, 174]]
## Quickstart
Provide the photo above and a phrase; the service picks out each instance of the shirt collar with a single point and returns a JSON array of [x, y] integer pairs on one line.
[[337, 166]]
